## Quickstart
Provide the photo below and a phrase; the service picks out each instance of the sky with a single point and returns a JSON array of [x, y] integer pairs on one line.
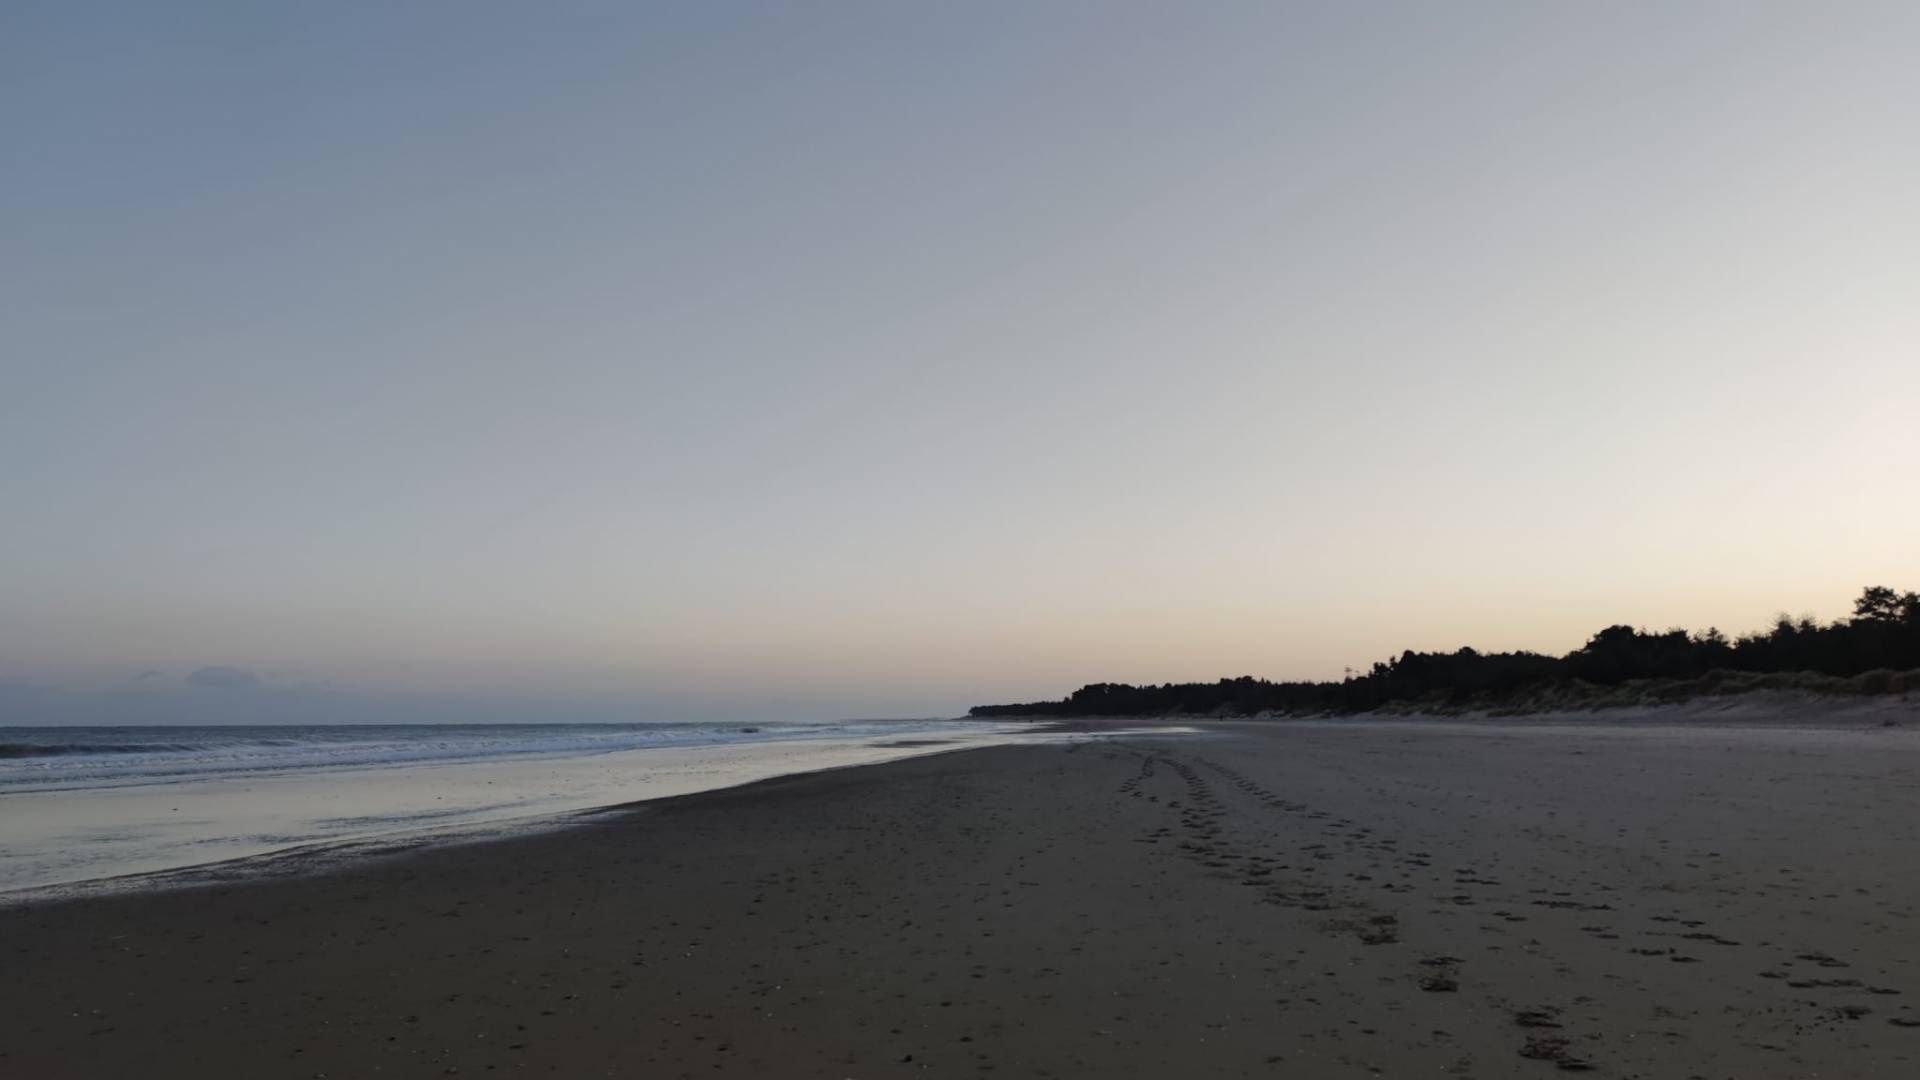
[[444, 361]]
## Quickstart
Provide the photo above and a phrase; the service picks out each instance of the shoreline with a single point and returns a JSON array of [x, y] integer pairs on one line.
[[332, 855], [1758, 713], [131, 835]]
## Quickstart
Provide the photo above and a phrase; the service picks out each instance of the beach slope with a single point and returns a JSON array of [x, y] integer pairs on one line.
[[1322, 900]]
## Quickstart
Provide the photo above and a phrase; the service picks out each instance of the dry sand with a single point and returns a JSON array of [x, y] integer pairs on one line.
[[1263, 899]]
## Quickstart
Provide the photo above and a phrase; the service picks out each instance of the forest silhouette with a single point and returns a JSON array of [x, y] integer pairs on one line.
[[1876, 651]]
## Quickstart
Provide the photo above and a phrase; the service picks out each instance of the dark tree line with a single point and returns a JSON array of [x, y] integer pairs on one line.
[[1875, 651]]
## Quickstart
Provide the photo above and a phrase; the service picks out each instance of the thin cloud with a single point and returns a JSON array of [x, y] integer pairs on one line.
[[223, 677]]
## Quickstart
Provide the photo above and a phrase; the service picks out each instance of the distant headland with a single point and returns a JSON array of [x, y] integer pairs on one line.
[[1877, 651]]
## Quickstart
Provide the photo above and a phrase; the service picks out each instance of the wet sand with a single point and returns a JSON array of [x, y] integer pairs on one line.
[[1278, 899]]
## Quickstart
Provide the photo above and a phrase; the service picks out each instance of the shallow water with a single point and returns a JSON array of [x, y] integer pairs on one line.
[[103, 802], [46, 758]]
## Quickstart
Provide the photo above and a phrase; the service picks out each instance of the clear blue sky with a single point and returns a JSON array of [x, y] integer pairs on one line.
[[709, 359]]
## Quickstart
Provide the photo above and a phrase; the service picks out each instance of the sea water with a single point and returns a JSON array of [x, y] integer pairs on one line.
[[85, 803]]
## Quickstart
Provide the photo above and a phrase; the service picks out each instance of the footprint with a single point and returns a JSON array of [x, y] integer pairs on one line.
[[1556, 1049], [1822, 959], [1546, 1017]]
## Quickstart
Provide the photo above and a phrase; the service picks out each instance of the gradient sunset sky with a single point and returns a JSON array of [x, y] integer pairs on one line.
[[718, 360]]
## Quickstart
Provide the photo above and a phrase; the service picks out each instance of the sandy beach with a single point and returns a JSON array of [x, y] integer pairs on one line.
[[1298, 899]]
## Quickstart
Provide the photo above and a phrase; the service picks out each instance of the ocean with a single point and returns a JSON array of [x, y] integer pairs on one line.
[[82, 804], [51, 758]]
